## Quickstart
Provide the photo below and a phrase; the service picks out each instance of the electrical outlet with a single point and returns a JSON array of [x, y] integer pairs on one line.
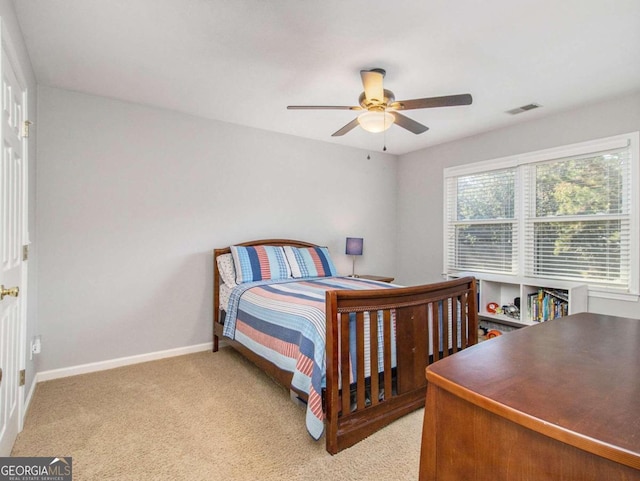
[[36, 346]]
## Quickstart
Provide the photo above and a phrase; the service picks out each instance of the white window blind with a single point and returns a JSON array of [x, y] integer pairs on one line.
[[567, 213], [578, 219], [481, 221]]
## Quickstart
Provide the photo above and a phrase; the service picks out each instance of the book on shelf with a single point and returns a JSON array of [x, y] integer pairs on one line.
[[547, 304], [558, 293]]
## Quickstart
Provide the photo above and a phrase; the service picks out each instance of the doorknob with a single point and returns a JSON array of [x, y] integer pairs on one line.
[[12, 291]]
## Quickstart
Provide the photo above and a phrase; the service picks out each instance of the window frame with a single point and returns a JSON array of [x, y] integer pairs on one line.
[[521, 162]]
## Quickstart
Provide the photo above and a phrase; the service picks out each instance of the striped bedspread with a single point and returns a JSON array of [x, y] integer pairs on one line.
[[284, 321]]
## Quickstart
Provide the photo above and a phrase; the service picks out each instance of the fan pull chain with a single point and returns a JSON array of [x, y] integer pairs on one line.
[[384, 134]]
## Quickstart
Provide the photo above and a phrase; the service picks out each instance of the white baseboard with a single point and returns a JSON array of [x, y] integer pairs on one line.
[[27, 401], [113, 363]]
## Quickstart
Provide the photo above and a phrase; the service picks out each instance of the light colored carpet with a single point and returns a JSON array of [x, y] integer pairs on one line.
[[211, 416]]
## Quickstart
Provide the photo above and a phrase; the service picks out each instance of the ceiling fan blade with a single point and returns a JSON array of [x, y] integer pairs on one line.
[[446, 101], [409, 124], [347, 128], [372, 82], [323, 107]]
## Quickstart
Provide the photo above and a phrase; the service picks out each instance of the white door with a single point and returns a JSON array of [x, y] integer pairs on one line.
[[13, 229]]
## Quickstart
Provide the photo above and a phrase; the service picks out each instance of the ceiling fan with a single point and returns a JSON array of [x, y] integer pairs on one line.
[[381, 107]]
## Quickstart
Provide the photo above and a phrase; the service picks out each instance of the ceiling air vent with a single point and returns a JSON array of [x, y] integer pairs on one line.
[[524, 108]]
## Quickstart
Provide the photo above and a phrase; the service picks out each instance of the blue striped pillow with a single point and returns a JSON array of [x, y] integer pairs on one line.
[[310, 262], [258, 263]]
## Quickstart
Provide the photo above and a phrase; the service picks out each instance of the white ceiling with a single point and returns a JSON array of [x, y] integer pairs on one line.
[[244, 61]]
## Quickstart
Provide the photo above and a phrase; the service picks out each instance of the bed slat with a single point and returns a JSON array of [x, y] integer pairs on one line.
[[443, 321], [454, 332], [388, 374], [435, 338], [373, 341], [360, 381], [344, 364]]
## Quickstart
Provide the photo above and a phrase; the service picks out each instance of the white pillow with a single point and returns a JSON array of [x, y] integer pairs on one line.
[[227, 269]]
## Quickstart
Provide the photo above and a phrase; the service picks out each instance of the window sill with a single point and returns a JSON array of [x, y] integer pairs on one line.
[[616, 296]]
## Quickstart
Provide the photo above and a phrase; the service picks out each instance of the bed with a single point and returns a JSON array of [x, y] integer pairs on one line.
[[354, 350]]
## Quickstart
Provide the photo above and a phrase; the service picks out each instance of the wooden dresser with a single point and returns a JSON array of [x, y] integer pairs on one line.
[[556, 401]]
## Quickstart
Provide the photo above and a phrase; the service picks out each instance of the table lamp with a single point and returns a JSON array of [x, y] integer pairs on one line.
[[354, 248]]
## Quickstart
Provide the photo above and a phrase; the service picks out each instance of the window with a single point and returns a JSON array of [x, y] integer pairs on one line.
[[567, 213], [485, 222]]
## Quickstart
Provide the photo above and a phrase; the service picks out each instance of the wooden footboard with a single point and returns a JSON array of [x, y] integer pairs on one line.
[[426, 329]]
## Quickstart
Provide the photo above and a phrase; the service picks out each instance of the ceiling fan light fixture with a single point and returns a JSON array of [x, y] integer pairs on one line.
[[376, 121]]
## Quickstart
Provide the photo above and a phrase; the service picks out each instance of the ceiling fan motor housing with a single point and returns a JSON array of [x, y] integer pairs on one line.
[[376, 104]]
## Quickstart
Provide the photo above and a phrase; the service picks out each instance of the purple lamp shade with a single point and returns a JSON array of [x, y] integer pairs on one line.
[[354, 246]]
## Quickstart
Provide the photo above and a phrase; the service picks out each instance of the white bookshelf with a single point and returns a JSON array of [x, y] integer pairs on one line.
[[503, 290]]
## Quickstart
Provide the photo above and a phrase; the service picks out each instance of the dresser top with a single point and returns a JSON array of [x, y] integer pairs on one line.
[[576, 379]]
